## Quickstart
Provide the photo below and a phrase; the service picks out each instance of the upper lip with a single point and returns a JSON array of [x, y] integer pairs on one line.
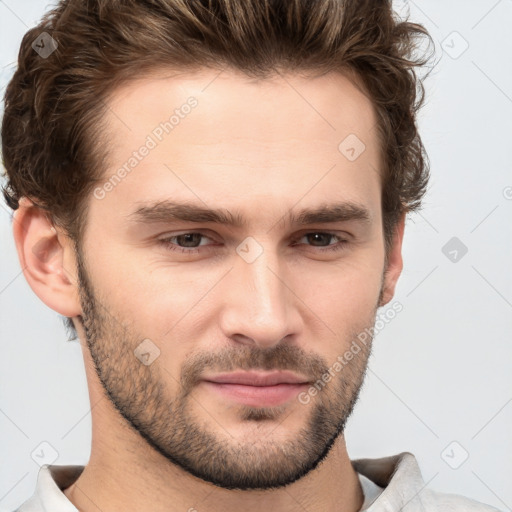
[[258, 378]]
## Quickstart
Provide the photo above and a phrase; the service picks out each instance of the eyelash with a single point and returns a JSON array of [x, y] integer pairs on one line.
[[166, 242]]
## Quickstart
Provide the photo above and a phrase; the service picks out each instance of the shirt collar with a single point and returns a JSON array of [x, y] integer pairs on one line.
[[401, 478]]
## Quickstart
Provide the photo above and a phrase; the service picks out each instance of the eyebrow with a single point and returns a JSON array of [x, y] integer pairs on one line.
[[172, 211]]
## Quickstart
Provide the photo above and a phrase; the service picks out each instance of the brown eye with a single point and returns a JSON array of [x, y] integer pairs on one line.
[[321, 239]]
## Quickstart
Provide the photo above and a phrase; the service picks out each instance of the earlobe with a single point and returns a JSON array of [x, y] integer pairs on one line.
[[42, 252], [395, 263]]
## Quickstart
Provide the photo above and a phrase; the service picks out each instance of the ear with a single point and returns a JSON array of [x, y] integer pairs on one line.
[[47, 258], [395, 263]]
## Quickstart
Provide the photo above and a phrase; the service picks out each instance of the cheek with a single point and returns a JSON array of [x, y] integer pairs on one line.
[[341, 291], [158, 299], [161, 299]]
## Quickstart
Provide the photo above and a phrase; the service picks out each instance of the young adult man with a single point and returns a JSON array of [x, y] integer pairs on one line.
[[214, 195]]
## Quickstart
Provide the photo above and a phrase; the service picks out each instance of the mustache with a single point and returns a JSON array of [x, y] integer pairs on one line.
[[245, 357]]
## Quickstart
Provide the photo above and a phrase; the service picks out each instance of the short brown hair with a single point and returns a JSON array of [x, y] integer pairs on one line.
[[54, 103]]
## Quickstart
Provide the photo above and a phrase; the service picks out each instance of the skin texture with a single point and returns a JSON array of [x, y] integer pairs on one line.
[[162, 440]]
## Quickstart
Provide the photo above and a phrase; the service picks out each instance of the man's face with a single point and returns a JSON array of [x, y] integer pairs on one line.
[[268, 293]]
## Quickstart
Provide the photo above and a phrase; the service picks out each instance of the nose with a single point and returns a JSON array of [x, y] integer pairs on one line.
[[259, 306]]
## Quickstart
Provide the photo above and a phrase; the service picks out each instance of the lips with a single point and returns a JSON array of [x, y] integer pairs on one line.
[[256, 389], [257, 378]]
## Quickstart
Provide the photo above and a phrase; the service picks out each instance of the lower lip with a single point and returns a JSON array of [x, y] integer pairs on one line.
[[257, 396]]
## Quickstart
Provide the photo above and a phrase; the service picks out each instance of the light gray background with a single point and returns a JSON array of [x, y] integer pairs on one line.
[[441, 370]]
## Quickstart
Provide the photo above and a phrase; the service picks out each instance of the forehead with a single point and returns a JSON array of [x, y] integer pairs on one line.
[[221, 137], [323, 105]]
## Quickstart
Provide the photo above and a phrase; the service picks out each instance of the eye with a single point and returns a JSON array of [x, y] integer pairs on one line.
[[190, 242], [185, 242], [323, 238]]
